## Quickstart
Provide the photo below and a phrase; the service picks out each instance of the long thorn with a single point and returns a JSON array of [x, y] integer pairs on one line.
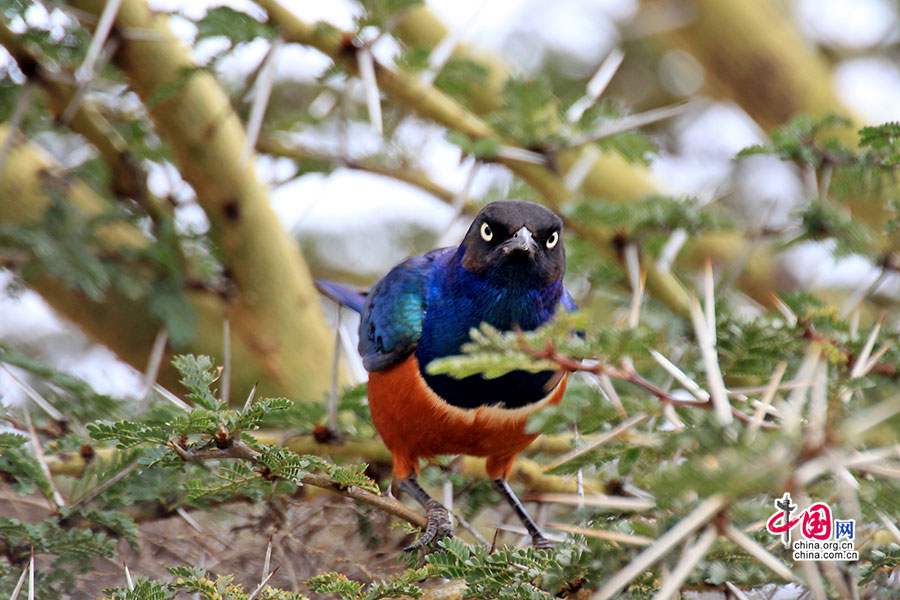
[[261, 98], [373, 96], [766, 400], [225, 388], [697, 518], [154, 362], [38, 400], [706, 340], [610, 435], [692, 555], [740, 539], [21, 582]]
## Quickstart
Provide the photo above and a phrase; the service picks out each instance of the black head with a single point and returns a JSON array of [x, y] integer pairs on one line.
[[516, 242]]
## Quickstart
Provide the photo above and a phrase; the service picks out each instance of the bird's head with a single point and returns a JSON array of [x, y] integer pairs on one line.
[[515, 242]]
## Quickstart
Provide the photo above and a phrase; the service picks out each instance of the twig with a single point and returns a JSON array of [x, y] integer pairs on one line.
[[241, 450], [629, 375]]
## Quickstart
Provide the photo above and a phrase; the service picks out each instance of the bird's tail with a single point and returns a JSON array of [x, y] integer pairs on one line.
[[349, 297]]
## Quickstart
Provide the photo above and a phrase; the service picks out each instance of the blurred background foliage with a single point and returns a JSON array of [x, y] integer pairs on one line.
[[174, 175]]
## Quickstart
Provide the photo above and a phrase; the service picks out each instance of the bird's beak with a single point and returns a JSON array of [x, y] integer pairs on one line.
[[521, 241]]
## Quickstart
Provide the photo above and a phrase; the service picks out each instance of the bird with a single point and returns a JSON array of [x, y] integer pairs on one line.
[[507, 272]]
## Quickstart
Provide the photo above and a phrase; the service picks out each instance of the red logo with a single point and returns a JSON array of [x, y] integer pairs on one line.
[[816, 521]]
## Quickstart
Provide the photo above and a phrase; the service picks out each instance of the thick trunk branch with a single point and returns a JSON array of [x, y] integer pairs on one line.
[[276, 313]]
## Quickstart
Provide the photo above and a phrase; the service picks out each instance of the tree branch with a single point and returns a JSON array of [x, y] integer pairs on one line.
[[276, 310], [627, 374]]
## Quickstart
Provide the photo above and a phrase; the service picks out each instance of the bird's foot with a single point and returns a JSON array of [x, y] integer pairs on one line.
[[438, 528], [541, 543]]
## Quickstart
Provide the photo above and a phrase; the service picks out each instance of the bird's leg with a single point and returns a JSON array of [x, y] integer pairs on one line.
[[537, 537], [439, 526]]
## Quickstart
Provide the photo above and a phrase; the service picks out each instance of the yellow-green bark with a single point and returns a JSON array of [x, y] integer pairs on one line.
[[276, 311], [118, 322], [754, 54]]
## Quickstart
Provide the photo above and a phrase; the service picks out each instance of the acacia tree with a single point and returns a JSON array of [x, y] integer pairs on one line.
[[698, 406]]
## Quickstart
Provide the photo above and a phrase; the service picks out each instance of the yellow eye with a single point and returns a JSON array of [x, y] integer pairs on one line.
[[486, 233], [553, 240]]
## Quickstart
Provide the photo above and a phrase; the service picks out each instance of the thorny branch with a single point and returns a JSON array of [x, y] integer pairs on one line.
[[628, 374], [240, 450]]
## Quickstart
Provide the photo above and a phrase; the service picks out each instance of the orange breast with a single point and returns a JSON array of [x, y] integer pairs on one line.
[[415, 423]]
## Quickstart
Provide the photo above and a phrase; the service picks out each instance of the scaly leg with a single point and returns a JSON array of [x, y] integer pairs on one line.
[[439, 526], [537, 537]]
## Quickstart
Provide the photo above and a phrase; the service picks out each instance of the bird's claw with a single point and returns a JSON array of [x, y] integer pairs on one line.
[[541, 543], [437, 529]]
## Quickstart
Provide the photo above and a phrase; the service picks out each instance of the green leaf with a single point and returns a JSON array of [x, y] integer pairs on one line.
[[237, 26], [335, 583], [197, 375]]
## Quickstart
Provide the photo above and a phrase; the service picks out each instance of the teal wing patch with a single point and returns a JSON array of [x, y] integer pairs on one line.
[[392, 316]]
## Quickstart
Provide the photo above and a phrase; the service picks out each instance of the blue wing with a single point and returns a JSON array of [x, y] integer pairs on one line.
[[392, 316], [567, 301], [349, 297]]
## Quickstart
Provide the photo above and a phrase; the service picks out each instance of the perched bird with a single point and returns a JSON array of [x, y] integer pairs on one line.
[[508, 272]]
